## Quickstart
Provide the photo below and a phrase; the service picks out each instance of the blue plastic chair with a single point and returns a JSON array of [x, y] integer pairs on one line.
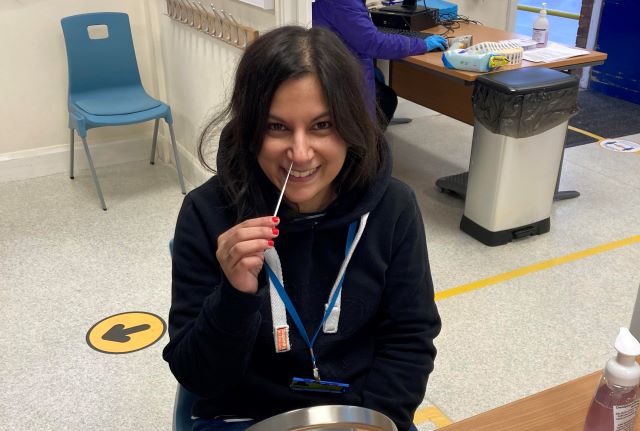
[[182, 409], [104, 84]]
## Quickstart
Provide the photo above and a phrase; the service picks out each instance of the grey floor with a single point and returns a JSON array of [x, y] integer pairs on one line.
[[65, 265]]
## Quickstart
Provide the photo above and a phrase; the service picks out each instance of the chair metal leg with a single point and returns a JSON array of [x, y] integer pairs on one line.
[[176, 158], [93, 173], [71, 154], [155, 139]]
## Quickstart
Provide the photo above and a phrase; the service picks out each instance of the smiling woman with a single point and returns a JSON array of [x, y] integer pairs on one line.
[[300, 131], [315, 53], [349, 242]]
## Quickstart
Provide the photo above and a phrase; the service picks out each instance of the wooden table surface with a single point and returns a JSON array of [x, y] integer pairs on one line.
[[481, 33], [561, 408], [424, 80]]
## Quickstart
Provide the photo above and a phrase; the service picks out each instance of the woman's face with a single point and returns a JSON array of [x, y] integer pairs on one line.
[[300, 130]]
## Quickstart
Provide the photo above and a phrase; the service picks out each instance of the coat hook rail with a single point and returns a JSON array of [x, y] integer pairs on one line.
[[214, 22]]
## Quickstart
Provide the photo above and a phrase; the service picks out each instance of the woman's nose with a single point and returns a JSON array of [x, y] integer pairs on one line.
[[300, 150]]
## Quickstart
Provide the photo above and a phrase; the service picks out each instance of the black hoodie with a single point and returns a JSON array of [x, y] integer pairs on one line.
[[221, 344]]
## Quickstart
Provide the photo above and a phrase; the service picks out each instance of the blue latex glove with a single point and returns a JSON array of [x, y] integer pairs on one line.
[[436, 43]]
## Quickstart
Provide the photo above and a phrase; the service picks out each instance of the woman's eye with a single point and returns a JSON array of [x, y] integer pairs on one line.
[[323, 125], [276, 127]]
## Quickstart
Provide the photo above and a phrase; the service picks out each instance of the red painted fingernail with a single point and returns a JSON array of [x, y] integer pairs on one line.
[[270, 243], [275, 231], [275, 219]]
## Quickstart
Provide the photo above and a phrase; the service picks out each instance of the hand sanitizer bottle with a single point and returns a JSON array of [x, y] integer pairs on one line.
[[541, 28], [615, 403]]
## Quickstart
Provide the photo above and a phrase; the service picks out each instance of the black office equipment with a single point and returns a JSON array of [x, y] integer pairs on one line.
[[408, 33], [407, 16]]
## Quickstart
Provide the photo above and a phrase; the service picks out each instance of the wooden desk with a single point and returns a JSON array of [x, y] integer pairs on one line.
[[424, 80], [562, 408]]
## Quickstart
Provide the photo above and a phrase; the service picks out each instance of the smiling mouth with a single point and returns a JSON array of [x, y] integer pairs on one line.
[[303, 174]]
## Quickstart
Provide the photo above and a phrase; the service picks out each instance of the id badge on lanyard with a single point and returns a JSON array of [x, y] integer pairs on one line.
[[282, 301], [312, 385]]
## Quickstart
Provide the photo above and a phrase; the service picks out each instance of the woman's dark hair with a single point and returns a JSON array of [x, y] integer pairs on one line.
[[288, 53]]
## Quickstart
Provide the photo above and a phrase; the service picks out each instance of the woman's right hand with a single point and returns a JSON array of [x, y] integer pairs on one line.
[[241, 251]]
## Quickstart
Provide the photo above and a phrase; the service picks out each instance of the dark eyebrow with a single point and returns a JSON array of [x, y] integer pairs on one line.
[[276, 118]]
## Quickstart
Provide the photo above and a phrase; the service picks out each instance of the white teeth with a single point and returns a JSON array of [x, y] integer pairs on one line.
[[300, 174]]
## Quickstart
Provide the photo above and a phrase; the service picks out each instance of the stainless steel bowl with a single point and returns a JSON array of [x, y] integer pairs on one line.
[[327, 418]]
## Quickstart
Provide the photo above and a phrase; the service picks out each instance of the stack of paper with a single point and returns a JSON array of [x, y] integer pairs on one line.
[[553, 52]]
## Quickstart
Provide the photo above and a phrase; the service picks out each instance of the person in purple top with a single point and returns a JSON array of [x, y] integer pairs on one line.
[[350, 20]]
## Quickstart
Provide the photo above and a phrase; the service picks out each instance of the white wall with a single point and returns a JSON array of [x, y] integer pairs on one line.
[[179, 65], [493, 13], [197, 70], [33, 78]]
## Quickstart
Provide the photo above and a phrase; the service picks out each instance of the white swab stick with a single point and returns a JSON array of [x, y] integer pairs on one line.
[[275, 213]]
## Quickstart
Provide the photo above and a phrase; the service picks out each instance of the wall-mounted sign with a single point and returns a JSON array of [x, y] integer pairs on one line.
[[126, 332], [264, 4]]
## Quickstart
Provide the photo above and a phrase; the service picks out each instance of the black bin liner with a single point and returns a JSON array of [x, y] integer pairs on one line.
[[524, 102]]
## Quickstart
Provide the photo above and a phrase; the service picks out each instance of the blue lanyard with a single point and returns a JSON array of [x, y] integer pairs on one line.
[[292, 310]]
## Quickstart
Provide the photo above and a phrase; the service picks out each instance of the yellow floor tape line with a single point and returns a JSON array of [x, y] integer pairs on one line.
[[589, 134], [535, 267], [431, 414]]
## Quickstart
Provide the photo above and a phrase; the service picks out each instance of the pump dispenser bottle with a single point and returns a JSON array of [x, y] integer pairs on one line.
[[615, 403], [541, 28]]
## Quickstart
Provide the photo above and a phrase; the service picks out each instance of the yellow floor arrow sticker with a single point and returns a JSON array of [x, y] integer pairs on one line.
[[126, 332], [431, 414]]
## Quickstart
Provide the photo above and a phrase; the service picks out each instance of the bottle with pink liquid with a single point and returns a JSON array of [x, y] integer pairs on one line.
[[615, 404]]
